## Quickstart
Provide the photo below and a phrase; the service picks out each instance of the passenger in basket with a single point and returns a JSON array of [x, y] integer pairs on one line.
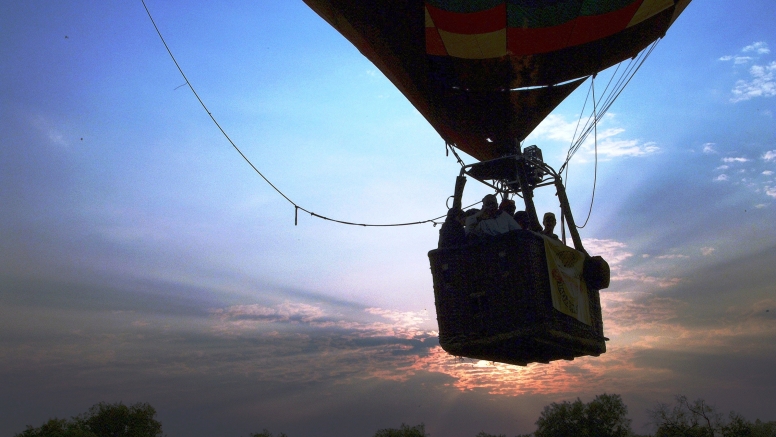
[[508, 205], [521, 217], [549, 223], [490, 220], [452, 232]]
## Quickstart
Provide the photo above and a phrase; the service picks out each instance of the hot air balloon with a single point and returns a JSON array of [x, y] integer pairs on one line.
[[485, 73]]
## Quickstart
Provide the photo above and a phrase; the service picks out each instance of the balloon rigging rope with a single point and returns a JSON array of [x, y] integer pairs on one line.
[[591, 125], [595, 171], [297, 208], [623, 80]]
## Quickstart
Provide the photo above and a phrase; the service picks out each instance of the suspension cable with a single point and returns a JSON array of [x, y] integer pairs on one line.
[[623, 80], [595, 168], [591, 125]]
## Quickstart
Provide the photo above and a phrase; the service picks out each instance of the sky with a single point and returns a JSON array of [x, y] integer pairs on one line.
[[142, 260]]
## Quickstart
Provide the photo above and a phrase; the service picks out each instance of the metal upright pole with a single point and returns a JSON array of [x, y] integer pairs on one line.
[[526, 189], [564, 204], [562, 224], [460, 183]]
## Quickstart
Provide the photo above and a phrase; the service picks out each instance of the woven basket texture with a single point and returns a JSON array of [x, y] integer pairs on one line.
[[493, 303]]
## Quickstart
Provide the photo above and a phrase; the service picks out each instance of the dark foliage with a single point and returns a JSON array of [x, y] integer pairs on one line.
[[119, 420], [404, 431], [103, 420], [699, 419], [57, 428], [604, 416], [266, 433]]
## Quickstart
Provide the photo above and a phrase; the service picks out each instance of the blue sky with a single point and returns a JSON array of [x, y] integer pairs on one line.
[[142, 260]]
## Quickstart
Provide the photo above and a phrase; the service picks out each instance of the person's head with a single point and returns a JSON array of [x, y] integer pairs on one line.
[[490, 202], [508, 205], [549, 221], [521, 217]]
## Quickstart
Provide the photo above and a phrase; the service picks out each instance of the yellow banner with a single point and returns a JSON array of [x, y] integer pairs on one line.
[[569, 292]]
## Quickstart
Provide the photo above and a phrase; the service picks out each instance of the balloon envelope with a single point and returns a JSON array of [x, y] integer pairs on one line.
[[485, 72]]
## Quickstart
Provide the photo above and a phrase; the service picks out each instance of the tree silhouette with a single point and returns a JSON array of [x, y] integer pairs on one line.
[[266, 433], [119, 420], [103, 420], [604, 416], [404, 431], [699, 419]]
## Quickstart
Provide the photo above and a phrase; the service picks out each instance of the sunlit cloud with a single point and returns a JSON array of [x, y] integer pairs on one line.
[[722, 177], [509, 380], [769, 155], [706, 251], [634, 148], [616, 254], [555, 127], [770, 191], [242, 319], [612, 251], [645, 311], [761, 83], [761, 205], [609, 145]]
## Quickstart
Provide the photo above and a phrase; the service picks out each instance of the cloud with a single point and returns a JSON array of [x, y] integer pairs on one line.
[[761, 83], [757, 48], [672, 256], [767, 172], [641, 312], [722, 177], [555, 127], [246, 319], [760, 47], [738, 60], [761, 205], [52, 132], [770, 191], [613, 149], [615, 253], [722, 167], [769, 155], [706, 251], [738, 159], [709, 148], [612, 251]]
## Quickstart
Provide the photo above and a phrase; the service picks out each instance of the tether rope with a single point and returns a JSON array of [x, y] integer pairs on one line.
[[297, 208]]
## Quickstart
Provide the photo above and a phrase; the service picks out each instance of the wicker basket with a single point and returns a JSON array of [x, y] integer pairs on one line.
[[493, 303]]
